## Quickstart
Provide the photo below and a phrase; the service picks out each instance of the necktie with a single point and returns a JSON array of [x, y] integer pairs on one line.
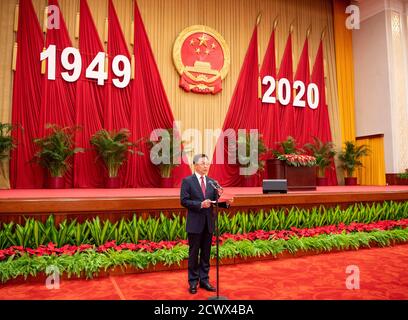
[[203, 185]]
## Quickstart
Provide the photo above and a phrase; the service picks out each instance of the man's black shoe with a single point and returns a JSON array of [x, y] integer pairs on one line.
[[207, 286], [193, 289]]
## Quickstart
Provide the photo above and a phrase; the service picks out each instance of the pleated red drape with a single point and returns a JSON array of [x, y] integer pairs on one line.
[[150, 110], [90, 105], [58, 98], [243, 113], [286, 71], [27, 99], [304, 116], [143, 105], [322, 115], [270, 114], [117, 113]]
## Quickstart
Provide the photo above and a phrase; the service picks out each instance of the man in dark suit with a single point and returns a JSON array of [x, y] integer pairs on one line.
[[197, 194]]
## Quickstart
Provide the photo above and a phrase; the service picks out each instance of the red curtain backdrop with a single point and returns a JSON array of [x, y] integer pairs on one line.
[[286, 71], [243, 113], [117, 112], [270, 114], [322, 115], [26, 99], [58, 98], [150, 110], [304, 117], [90, 105], [143, 105]]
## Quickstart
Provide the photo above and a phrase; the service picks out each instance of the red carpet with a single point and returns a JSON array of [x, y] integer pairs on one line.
[[382, 276], [166, 192]]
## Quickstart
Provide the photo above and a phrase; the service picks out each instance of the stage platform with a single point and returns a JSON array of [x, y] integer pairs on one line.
[[113, 204]]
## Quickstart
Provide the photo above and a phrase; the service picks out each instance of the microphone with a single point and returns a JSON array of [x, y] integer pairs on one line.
[[215, 184], [218, 185]]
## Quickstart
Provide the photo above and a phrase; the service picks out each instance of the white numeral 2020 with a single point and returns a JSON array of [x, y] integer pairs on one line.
[[285, 93]]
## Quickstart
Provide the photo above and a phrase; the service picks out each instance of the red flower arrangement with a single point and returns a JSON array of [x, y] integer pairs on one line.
[[148, 246], [50, 249], [298, 160], [311, 232]]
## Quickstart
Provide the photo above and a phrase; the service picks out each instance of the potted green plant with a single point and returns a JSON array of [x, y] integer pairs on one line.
[[54, 151], [324, 153], [350, 158], [288, 146], [6, 145], [275, 168], [166, 153], [113, 147], [245, 159]]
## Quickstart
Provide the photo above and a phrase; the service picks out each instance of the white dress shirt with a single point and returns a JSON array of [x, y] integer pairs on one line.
[[199, 179]]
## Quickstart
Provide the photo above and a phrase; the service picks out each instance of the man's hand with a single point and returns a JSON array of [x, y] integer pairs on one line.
[[206, 203], [220, 192], [230, 201]]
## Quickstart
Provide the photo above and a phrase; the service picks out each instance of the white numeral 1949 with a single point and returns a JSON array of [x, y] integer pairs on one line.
[[96, 70]]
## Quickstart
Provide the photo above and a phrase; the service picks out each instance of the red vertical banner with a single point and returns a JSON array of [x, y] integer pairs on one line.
[[243, 113], [58, 98], [117, 115], [27, 99], [150, 110], [286, 72], [270, 114], [90, 104], [117, 112], [322, 114], [303, 115]]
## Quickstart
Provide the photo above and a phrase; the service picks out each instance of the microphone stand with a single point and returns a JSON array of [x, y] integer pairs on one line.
[[217, 297]]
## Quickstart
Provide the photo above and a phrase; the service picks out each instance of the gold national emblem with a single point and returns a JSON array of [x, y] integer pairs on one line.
[[202, 59]]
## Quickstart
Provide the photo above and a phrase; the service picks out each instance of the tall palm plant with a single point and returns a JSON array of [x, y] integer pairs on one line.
[[6, 145], [167, 151], [351, 155], [288, 146], [55, 149], [245, 159], [112, 147], [323, 152], [6, 140]]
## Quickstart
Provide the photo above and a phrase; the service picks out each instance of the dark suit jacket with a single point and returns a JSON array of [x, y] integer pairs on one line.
[[191, 197]]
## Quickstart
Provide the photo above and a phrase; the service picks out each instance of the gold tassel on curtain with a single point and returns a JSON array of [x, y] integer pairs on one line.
[[14, 60], [323, 34], [132, 25], [77, 26], [132, 33], [45, 20], [132, 65], [259, 87], [105, 34], [16, 12], [43, 64]]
